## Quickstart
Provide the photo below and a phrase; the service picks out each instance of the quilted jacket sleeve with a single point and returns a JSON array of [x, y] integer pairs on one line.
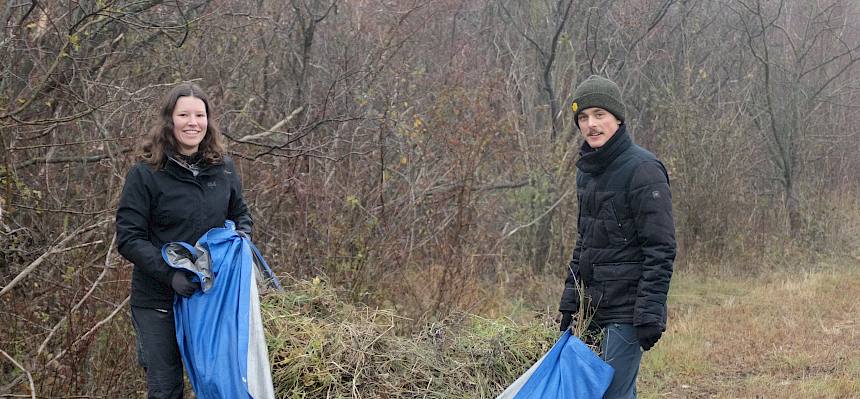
[[132, 225], [651, 204], [238, 211]]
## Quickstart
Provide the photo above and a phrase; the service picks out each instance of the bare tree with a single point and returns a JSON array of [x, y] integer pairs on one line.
[[802, 50]]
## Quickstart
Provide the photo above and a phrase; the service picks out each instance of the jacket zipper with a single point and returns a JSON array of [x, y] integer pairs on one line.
[[617, 220]]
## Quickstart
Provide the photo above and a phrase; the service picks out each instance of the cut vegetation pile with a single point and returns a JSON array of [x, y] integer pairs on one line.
[[324, 348]]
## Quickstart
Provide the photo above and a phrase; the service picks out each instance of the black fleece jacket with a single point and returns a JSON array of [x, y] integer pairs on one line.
[[625, 247], [172, 204]]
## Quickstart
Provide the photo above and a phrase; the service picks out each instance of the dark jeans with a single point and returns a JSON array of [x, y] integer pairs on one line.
[[158, 353], [620, 348]]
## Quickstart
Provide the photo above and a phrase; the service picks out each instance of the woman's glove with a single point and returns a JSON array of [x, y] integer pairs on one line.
[[182, 284]]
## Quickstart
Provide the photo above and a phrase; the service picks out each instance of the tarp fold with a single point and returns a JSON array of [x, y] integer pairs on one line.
[[570, 370], [219, 328]]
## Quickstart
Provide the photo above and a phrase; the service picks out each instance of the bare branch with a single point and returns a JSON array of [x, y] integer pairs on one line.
[[271, 130], [91, 331], [535, 220], [81, 301], [87, 159], [54, 249], [29, 376]]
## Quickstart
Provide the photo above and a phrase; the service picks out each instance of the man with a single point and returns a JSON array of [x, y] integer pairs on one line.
[[625, 247]]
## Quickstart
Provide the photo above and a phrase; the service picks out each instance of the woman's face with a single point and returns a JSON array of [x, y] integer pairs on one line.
[[189, 124]]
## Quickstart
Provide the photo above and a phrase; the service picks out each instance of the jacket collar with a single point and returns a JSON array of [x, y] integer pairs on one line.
[[178, 160], [595, 161], [177, 166]]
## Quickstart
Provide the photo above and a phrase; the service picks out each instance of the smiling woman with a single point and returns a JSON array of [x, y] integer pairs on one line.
[[189, 124], [183, 186], [184, 128]]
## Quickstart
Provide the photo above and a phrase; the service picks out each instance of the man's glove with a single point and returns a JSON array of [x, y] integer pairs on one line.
[[566, 320], [182, 284], [648, 335]]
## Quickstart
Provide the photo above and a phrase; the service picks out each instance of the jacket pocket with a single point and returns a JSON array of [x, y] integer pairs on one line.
[[617, 283]]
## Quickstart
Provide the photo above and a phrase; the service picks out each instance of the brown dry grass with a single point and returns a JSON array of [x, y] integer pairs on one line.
[[322, 347], [780, 336]]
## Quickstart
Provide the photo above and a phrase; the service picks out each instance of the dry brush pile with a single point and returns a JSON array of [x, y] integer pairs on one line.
[[321, 347]]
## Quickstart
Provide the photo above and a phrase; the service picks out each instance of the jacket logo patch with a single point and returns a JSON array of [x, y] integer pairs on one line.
[[213, 184], [655, 194]]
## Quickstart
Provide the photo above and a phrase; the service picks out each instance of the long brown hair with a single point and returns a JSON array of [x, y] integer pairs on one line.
[[161, 141]]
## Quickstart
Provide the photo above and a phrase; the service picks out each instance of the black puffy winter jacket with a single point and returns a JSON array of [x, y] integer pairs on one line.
[[172, 204], [625, 245]]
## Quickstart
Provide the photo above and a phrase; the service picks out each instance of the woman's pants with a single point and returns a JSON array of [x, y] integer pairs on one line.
[[158, 352]]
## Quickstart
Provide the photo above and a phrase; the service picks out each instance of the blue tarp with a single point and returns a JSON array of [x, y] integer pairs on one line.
[[219, 329], [570, 370]]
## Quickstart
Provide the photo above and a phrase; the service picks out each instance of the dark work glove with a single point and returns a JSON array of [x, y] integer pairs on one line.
[[182, 284], [566, 319], [648, 335], [243, 227]]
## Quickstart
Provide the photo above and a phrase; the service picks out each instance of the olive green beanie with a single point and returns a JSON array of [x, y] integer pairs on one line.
[[598, 92]]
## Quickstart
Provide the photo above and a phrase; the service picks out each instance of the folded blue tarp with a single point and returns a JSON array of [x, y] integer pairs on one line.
[[219, 329], [570, 370]]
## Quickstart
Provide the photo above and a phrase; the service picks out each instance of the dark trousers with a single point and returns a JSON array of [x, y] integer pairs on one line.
[[158, 353], [621, 350]]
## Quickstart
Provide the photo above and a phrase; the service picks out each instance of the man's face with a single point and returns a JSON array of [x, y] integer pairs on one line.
[[597, 126]]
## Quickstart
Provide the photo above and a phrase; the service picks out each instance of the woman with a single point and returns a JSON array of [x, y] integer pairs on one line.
[[182, 186]]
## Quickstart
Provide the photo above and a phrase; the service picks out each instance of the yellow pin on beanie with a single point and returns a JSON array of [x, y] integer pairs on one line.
[[574, 106]]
